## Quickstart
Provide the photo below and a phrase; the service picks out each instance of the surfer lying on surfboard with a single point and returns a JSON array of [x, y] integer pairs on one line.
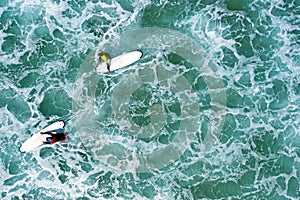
[[54, 137], [48, 135], [104, 57], [118, 62]]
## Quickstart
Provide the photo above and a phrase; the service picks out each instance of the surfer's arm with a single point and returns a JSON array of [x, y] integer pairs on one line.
[[57, 131], [48, 133]]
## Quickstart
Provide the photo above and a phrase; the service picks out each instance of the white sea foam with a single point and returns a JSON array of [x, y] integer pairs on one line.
[[103, 142]]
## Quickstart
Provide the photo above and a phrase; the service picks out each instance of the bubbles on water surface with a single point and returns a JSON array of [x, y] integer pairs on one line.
[[150, 125], [158, 138]]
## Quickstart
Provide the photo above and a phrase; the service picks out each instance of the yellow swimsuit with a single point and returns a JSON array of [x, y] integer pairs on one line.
[[104, 58]]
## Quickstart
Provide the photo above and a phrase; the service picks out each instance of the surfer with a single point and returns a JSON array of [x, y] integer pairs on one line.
[[104, 57], [54, 137]]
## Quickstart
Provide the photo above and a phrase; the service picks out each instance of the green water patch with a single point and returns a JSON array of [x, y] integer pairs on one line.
[[204, 97], [243, 121], [92, 179], [286, 9], [147, 97], [139, 104], [127, 5], [11, 43], [216, 190], [47, 49], [175, 59], [86, 167], [244, 81], [237, 5], [59, 35], [292, 138], [240, 29], [15, 166], [63, 165], [47, 46], [244, 46], [6, 17], [44, 193], [15, 104], [32, 14], [275, 167], [97, 25], [55, 102], [279, 93], [103, 184], [234, 129], [46, 152], [228, 128], [207, 2], [236, 100], [253, 32], [247, 178], [262, 105], [197, 168], [11, 181], [77, 5], [73, 65], [30, 80], [63, 178], [143, 187], [153, 16], [3, 3], [260, 74], [42, 33], [293, 187], [146, 189], [296, 87], [13, 28], [30, 60], [43, 175], [50, 49], [265, 44], [44, 51], [267, 143], [198, 82], [229, 59], [165, 15], [82, 198]]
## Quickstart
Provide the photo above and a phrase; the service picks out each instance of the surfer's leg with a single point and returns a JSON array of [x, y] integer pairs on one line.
[[108, 66]]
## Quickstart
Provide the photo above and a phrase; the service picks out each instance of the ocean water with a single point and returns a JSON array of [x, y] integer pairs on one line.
[[211, 111]]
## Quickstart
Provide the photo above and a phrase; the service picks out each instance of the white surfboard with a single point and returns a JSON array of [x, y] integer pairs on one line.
[[38, 139], [120, 61]]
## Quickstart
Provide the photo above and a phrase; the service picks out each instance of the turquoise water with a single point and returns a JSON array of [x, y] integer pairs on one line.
[[211, 111]]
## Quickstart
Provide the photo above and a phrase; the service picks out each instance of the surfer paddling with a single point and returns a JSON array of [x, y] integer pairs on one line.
[[104, 57], [48, 135], [56, 135]]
